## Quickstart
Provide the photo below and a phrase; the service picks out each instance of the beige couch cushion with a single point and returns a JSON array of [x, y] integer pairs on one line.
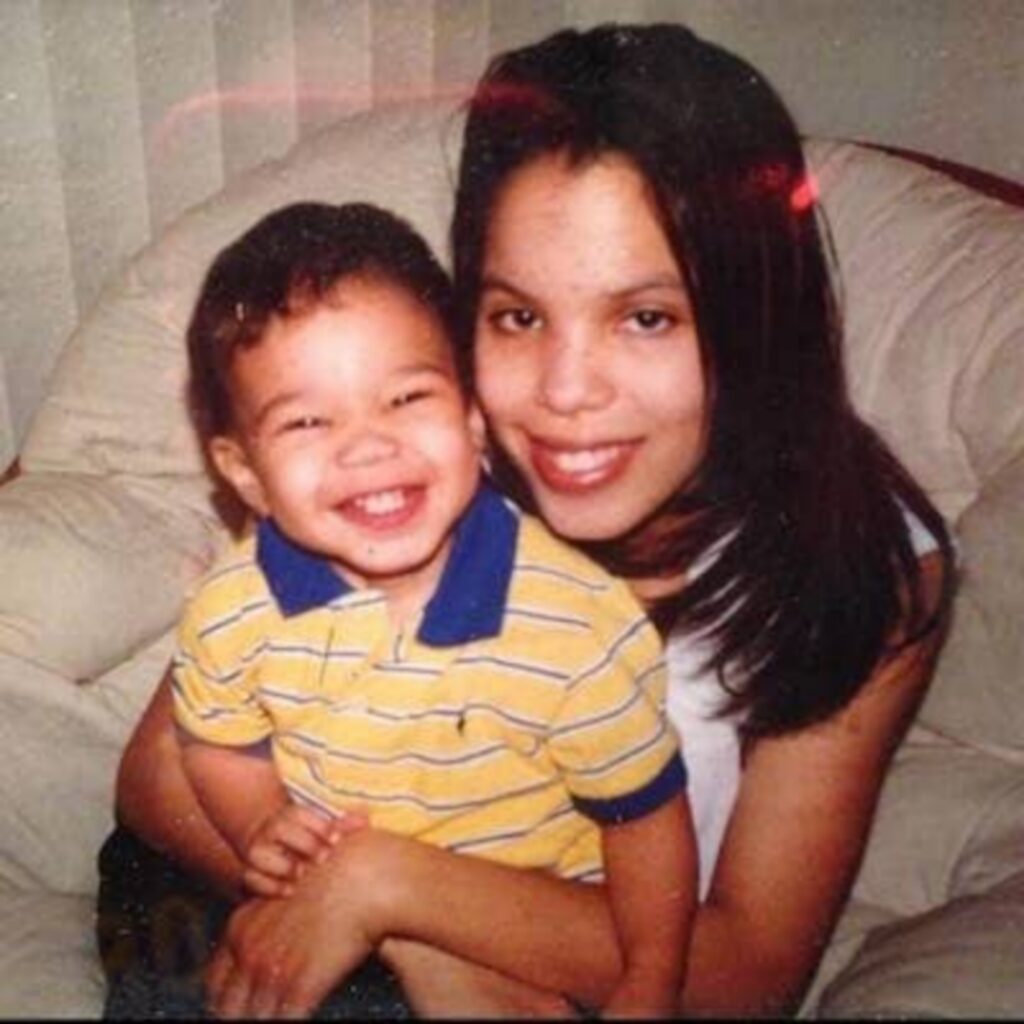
[[116, 400], [48, 963], [977, 694], [94, 566], [960, 961], [61, 746], [933, 280]]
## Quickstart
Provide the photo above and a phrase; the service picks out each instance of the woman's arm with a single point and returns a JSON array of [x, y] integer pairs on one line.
[[157, 803], [794, 843], [796, 838]]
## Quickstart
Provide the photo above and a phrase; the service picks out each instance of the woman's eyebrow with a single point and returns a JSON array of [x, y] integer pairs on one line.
[[665, 281], [658, 282], [495, 282]]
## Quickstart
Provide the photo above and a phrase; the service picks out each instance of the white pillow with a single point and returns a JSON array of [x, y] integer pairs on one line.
[[97, 559], [976, 695], [932, 277], [116, 400], [94, 569]]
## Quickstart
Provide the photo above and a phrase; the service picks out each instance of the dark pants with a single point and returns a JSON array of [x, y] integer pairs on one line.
[[157, 927]]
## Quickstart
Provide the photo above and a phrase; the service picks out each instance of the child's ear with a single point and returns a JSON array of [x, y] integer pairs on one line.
[[233, 464], [477, 427]]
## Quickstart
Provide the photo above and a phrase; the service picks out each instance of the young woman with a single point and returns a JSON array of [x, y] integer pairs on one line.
[[658, 350]]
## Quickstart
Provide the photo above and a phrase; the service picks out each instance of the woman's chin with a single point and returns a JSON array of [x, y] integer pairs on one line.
[[578, 520]]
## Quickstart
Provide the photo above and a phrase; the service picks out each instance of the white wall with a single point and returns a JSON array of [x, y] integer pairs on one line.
[[118, 114]]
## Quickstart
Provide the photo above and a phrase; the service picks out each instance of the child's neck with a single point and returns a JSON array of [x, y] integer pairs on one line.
[[406, 610], [407, 594]]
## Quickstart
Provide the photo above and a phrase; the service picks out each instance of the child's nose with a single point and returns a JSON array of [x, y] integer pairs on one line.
[[366, 445]]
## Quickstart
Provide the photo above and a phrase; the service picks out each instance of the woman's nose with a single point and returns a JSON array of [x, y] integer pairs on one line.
[[573, 377]]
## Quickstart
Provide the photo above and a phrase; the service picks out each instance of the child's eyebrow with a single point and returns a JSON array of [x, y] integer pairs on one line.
[[418, 368], [441, 369]]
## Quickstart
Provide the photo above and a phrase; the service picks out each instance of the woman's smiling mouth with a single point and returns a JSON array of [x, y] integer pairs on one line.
[[580, 469]]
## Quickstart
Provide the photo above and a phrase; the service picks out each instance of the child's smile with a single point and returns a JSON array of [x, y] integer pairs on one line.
[[384, 510]]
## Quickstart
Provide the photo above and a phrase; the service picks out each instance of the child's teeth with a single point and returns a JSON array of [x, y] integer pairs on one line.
[[382, 503]]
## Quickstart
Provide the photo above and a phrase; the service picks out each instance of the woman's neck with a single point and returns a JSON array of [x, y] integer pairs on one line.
[[654, 588]]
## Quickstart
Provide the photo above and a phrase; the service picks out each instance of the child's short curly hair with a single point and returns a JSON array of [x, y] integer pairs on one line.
[[285, 265]]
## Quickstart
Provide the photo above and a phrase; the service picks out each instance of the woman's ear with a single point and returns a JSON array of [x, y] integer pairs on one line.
[[232, 462]]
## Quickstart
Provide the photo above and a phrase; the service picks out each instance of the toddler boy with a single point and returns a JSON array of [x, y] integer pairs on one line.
[[406, 642]]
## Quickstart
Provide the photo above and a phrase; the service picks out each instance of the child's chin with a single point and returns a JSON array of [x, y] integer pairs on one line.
[[391, 569]]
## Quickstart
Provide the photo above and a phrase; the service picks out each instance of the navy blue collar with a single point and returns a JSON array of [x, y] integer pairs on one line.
[[469, 602]]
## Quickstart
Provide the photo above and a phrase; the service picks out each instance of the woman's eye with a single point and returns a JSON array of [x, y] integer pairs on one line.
[[651, 321], [514, 321]]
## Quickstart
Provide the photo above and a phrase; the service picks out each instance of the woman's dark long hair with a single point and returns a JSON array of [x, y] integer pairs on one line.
[[800, 503]]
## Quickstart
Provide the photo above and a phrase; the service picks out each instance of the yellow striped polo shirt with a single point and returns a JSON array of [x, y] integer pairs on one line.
[[525, 710]]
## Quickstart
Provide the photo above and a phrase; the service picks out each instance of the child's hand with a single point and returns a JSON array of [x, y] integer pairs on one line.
[[283, 845]]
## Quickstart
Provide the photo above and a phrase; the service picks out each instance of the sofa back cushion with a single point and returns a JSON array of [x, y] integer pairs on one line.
[[931, 278], [933, 282], [116, 400], [932, 285]]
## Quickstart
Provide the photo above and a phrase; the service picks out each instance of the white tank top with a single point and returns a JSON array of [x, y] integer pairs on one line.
[[711, 745]]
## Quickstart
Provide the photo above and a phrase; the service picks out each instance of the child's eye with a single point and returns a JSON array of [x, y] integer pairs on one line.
[[409, 397], [303, 423], [517, 320], [650, 321]]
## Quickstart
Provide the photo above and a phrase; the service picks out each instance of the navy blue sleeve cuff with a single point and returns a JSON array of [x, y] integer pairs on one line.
[[665, 785]]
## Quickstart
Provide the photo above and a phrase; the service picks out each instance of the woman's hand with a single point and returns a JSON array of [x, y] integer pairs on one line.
[[281, 957], [156, 801]]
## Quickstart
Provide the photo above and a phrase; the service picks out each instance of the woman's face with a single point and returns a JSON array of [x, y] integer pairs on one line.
[[586, 352]]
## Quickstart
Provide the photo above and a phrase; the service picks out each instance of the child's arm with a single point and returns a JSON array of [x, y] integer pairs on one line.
[[243, 795], [651, 877]]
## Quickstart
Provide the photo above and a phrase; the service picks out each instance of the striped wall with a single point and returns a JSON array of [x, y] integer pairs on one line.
[[116, 115]]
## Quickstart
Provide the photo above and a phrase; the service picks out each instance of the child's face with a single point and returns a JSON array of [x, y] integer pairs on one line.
[[354, 436]]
